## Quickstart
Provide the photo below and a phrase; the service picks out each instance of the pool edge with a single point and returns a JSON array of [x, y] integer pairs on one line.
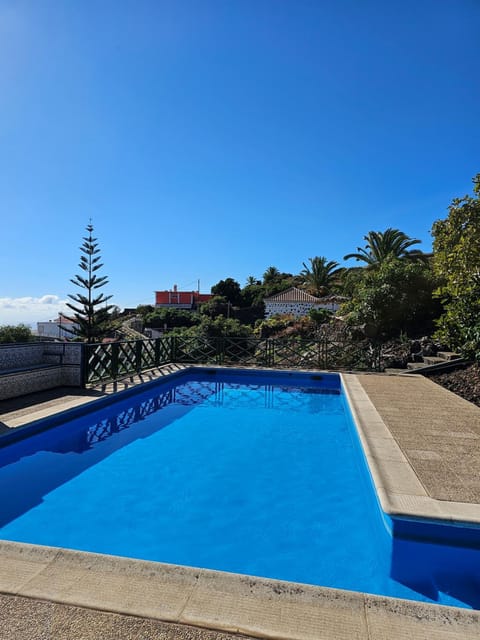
[[227, 602]]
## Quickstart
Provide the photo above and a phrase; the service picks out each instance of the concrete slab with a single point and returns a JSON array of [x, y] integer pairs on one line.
[[114, 584], [388, 618], [410, 407], [21, 563], [275, 609], [27, 619]]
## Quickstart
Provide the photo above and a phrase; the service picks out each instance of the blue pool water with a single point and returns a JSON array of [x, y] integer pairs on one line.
[[258, 474]]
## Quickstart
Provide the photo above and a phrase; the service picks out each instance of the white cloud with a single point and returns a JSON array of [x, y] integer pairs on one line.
[[30, 310], [49, 299]]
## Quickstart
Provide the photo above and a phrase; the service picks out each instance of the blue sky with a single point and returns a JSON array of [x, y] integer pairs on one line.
[[213, 138]]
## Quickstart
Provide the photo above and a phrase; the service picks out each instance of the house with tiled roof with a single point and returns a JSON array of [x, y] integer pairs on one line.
[[296, 302]]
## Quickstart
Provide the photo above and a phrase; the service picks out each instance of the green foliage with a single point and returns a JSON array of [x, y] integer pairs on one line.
[[395, 297], [250, 314], [144, 309], [229, 289], [320, 316], [91, 311], [272, 326], [216, 306], [271, 275], [351, 279], [275, 281], [456, 263], [320, 276], [286, 326], [253, 295], [459, 326], [158, 318], [15, 333], [215, 328], [382, 245]]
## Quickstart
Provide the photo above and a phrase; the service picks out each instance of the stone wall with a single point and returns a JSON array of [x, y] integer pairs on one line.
[[297, 309]]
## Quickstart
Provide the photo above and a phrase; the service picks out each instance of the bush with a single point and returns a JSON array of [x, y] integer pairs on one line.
[[19, 333], [320, 316], [457, 264], [172, 318], [396, 297]]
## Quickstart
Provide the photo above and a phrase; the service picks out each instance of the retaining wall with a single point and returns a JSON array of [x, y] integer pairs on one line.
[[37, 366]]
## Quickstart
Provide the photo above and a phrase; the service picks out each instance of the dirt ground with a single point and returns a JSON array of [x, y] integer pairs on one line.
[[463, 382]]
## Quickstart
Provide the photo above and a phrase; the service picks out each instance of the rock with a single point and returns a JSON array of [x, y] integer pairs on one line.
[[429, 348]]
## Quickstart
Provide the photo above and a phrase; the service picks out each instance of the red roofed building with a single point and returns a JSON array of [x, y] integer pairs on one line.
[[175, 299]]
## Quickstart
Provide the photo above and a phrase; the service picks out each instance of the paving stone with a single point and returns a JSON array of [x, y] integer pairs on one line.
[[419, 404]]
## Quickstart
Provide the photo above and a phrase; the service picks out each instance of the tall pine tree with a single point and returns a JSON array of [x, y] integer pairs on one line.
[[91, 311]]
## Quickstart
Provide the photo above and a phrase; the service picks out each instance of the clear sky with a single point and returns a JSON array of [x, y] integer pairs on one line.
[[214, 138]]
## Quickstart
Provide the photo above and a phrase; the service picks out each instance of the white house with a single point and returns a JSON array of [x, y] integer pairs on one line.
[[56, 328], [298, 303]]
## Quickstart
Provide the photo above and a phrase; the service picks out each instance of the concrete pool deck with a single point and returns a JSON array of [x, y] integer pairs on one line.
[[422, 444]]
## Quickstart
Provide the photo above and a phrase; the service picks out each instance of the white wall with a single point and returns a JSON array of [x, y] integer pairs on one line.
[[297, 309], [54, 329]]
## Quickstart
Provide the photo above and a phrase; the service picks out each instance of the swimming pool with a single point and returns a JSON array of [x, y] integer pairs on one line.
[[257, 473]]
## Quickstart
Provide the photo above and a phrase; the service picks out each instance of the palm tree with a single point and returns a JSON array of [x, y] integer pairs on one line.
[[271, 275], [320, 276], [251, 281], [383, 244]]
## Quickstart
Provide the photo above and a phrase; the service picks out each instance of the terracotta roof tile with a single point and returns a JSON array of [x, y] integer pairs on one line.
[[292, 295]]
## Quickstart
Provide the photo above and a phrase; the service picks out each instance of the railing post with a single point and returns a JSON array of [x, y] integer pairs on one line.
[[138, 355], [114, 360], [270, 352], [219, 350], [173, 348], [325, 352], [157, 352]]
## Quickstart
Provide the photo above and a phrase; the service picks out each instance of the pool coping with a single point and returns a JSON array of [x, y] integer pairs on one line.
[[253, 606], [221, 601]]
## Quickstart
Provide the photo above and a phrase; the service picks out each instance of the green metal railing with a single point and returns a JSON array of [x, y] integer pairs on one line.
[[118, 359]]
